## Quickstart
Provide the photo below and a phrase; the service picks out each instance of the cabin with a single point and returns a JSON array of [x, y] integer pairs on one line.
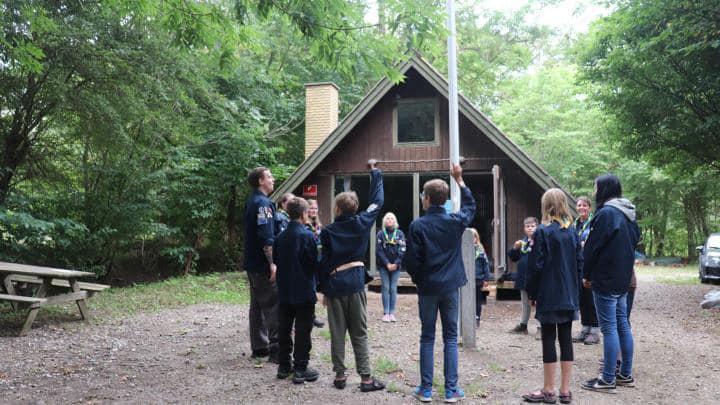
[[405, 128]]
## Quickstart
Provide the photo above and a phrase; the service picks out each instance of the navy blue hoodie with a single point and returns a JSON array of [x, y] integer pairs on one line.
[[295, 254], [610, 247], [433, 257], [346, 240], [555, 268]]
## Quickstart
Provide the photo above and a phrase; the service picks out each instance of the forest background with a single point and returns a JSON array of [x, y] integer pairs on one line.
[[128, 126]]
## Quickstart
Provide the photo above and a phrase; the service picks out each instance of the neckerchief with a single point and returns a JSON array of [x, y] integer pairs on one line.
[[390, 240], [525, 246], [584, 226]]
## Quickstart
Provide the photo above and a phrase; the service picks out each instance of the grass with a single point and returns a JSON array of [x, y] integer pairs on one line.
[[218, 288], [683, 275], [386, 366], [324, 333], [496, 368]]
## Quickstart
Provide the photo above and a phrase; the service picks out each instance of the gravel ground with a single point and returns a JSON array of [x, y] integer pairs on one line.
[[200, 354]]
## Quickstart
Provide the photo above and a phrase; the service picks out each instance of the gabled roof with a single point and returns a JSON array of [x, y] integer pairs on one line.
[[477, 118]]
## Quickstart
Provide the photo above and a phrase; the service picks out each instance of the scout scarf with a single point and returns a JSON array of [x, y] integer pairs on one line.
[[390, 240], [580, 231], [525, 246]]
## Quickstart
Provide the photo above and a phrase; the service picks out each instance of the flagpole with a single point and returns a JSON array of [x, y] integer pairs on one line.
[[453, 102]]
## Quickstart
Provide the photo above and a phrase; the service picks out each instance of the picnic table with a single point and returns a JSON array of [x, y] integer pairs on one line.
[[54, 286]]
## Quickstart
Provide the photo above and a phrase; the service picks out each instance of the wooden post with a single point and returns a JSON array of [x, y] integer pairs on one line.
[[467, 292]]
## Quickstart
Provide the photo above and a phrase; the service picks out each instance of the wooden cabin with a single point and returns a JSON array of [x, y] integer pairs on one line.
[[405, 128]]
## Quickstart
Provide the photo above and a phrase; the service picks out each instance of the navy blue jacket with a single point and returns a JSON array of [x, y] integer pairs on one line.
[[517, 255], [295, 254], [259, 231], [482, 267], [610, 250], [346, 240], [281, 221], [555, 268], [433, 257], [390, 253]]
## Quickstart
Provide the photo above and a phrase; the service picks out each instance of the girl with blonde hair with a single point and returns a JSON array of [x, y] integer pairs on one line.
[[554, 273], [389, 252]]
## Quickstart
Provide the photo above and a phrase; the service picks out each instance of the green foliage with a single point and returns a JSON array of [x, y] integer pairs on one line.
[[655, 64]]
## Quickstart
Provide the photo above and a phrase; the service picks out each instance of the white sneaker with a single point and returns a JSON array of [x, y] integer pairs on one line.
[[392, 318], [386, 318]]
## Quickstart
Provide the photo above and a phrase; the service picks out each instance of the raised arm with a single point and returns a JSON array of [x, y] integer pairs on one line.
[[377, 198], [467, 202]]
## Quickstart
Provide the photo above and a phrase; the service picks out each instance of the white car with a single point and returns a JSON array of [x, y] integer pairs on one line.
[[709, 260]]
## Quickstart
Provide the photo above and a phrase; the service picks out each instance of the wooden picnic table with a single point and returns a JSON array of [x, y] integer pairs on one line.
[[66, 282]]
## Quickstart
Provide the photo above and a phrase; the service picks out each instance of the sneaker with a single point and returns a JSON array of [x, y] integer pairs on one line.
[[392, 318], [423, 394], [454, 396], [386, 318], [318, 323], [592, 339], [599, 385], [520, 328], [624, 381], [308, 375], [580, 337], [283, 372]]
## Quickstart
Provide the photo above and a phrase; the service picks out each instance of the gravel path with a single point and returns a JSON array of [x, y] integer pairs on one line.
[[200, 354]]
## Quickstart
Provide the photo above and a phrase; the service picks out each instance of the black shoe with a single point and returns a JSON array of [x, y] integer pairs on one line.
[[373, 385], [308, 375], [284, 372], [599, 385], [259, 353], [520, 328], [624, 381], [318, 323]]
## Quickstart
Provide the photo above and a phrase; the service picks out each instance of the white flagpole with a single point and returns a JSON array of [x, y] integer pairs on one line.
[[453, 103]]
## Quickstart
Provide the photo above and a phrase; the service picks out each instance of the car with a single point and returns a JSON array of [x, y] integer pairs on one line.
[[709, 260]]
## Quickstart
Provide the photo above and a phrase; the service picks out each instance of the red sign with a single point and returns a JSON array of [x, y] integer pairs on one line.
[[310, 190]]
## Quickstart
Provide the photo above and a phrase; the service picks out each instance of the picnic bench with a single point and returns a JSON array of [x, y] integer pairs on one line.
[[54, 286]]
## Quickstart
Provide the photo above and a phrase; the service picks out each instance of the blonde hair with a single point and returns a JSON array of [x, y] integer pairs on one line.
[[555, 208], [390, 215], [476, 238]]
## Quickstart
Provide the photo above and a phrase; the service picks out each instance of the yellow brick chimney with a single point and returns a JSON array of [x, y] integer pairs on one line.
[[321, 113]]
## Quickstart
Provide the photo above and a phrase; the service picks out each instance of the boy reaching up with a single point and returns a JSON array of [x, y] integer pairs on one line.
[[433, 259], [342, 280]]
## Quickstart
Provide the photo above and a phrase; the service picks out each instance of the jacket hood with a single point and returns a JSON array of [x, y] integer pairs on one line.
[[624, 205]]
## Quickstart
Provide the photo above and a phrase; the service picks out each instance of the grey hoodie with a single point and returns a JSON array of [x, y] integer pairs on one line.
[[624, 205]]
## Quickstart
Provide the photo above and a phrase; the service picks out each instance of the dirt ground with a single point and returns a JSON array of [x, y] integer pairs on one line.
[[200, 354]]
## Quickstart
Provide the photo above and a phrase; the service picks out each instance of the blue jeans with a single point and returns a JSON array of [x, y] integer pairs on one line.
[[389, 289], [617, 335], [448, 306]]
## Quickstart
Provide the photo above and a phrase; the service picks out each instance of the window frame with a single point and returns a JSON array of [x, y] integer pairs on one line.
[[436, 132]]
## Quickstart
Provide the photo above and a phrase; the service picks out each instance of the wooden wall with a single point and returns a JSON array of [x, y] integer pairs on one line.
[[372, 138]]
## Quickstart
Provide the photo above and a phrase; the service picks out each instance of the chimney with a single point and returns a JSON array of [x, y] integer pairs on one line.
[[321, 113]]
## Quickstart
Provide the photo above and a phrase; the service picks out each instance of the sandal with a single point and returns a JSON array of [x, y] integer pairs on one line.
[[374, 385], [340, 383], [540, 396], [565, 398]]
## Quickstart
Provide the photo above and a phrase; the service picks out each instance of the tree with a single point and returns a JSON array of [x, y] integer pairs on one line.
[[655, 65]]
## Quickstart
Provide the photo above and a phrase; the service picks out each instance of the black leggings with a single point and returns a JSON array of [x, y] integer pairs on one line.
[[563, 333]]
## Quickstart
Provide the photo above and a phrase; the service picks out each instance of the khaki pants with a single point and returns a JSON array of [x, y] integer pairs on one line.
[[349, 314]]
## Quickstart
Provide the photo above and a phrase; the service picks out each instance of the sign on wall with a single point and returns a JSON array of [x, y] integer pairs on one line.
[[310, 190]]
